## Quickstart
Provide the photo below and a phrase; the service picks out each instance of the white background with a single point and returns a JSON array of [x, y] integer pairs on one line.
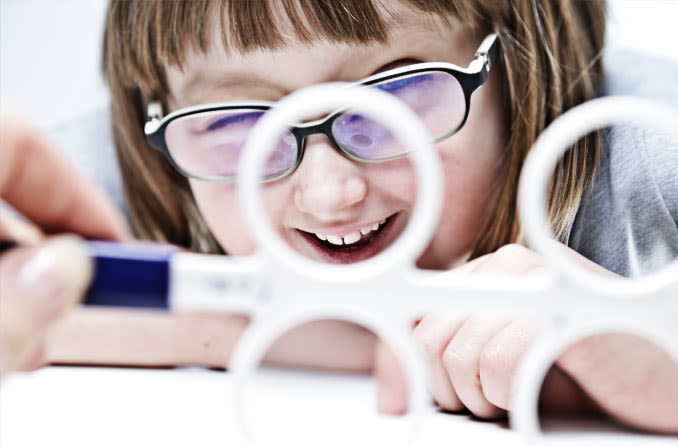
[[50, 51]]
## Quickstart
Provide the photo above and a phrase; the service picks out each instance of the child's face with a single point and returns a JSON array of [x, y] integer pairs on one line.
[[329, 194]]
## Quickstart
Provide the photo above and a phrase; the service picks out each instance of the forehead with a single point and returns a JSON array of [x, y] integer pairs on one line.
[[299, 60], [272, 24]]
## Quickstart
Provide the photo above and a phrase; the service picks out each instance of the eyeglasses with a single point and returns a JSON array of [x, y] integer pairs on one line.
[[205, 142]]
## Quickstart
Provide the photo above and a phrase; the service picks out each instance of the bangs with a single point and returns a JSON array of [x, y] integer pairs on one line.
[[152, 34]]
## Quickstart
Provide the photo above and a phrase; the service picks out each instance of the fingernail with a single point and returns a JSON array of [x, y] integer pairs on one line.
[[57, 274]]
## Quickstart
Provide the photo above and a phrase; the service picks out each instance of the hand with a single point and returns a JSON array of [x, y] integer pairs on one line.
[[43, 278], [41, 185], [473, 360]]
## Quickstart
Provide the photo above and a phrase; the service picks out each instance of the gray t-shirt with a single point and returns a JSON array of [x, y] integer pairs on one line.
[[628, 220]]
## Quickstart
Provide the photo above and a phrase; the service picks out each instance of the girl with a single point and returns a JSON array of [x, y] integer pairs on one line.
[[329, 207]]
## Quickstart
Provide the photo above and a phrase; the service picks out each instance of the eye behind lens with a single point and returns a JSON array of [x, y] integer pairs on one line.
[[436, 97], [208, 145]]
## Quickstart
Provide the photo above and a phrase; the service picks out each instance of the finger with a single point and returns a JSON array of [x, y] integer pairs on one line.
[[391, 383], [499, 360], [40, 184], [461, 359], [37, 286], [433, 334], [35, 356], [25, 233]]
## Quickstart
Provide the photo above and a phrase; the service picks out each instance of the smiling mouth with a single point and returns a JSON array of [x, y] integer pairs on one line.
[[357, 246]]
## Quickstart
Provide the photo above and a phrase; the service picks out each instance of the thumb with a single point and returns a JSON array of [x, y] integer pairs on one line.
[[37, 287], [391, 382]]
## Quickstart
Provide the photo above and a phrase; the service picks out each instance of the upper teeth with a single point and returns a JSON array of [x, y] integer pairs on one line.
[[351, 238]]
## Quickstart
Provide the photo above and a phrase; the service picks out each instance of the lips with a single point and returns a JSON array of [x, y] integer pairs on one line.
[[371, 240]]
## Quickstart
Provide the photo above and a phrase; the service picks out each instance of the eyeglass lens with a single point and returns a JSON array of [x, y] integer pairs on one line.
[[436, 98], [209, 144]]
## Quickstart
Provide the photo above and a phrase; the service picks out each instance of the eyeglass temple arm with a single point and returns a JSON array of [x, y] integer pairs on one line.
[[486, 54]]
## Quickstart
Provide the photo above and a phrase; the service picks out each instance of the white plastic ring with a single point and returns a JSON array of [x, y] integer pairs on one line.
[[264, 331], [536, 364], [548, 148], [379, 106]]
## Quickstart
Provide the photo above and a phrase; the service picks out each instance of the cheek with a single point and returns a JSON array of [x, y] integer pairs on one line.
[[394, 183], [470, 177], [471, 162], [220, 207]]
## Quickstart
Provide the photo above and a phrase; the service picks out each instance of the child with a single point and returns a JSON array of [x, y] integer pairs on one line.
[[183, 54]]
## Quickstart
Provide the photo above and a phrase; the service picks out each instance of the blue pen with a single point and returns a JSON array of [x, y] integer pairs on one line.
[[162, 277], [130, 275]]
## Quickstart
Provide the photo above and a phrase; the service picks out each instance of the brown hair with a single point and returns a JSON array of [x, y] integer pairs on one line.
[[550, 54]]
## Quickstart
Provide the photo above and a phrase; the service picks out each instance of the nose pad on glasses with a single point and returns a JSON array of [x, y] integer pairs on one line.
[[327, 181]]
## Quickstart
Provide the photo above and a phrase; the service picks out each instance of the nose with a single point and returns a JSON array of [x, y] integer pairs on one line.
[[329, 186]]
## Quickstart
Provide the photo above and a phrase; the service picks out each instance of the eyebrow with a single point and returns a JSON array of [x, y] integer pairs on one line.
[[225, 81]]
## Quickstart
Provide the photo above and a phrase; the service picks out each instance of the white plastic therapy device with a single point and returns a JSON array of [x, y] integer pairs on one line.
[[280, 289]]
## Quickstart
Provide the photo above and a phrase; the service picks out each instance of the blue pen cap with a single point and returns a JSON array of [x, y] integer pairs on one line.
[[130, 275]]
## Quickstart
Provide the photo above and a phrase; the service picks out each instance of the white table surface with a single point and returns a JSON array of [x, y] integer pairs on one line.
[[126, 406]]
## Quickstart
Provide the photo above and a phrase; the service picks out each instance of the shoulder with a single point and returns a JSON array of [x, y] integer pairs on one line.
[[628, 219], [644, 152]]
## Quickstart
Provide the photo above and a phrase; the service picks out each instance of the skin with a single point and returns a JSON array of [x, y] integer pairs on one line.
[[472, 360], [328, 193], [37, 287]]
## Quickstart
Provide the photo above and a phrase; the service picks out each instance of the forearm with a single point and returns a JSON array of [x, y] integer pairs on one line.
[[630, 378], [326, 344], [148, 338], [116, 337]]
